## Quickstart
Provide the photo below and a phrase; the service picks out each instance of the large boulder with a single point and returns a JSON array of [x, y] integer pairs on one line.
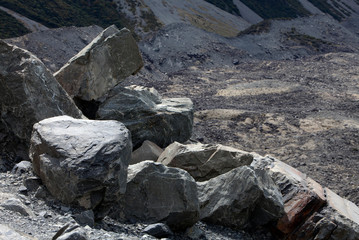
[[28, 94], [242, 198], [81, 162], [204, 161], [156, 193], [111, 57], [147, 116]]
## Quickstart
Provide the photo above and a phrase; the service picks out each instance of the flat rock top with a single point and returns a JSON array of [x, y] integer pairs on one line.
[[66, 131]]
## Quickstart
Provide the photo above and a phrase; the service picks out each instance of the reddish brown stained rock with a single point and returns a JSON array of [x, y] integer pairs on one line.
[[297, 210]]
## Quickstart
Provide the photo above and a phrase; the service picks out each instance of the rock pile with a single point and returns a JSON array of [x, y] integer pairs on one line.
[[84, 163]]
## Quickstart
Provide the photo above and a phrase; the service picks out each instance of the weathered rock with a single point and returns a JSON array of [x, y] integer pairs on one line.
[[156, 193], [241, 198], [7, 233], [302, 196], [158, 230], [147, 151], [204, 161], [32, 183], [81, 162], [147, 116], [28, 92], [85, 218], [22, 167], [15, 205], [111, 57]]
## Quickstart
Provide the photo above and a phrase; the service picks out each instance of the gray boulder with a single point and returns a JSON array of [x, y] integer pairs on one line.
[[147, 116], [147, 151], [156, 193], [111, 57], [204, 161], [81, 162], [28, 94], [241, 198]]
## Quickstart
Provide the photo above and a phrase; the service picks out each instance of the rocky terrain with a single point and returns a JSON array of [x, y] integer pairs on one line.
[[283, 88]]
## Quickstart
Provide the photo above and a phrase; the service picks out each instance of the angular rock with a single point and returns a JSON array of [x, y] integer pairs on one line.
[[7, 233], [158, 230], [85, 218], [156, 193], [28, 92], [81, 162], [15, 205], [302, 196], [147, 151], [204, 161], [147, 116], [241, 198], [111, 57], [22, 167], [32, 183]]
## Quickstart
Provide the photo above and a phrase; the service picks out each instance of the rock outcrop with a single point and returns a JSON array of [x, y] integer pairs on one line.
[[156, 193], [28, 94], [204, 161], [147, 116], [81, 162], [241, 198], [111, 57]]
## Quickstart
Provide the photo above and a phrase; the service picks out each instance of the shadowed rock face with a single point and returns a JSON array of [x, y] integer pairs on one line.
[[241, 198], [28, 93], [111, 57], [147, 116], [81, 162], [159, 193]]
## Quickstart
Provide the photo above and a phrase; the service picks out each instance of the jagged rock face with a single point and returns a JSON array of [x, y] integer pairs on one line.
[[156, 193], [81, 162], [111, 57], [28, 92], [242, 198], [204, 161], [147, 116]]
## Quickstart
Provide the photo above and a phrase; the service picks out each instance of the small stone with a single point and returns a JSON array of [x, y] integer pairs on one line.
[[158, 230], [32, 183], [195, 233], [23, 190], [15, 205], [21, 167], [86, 218]]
